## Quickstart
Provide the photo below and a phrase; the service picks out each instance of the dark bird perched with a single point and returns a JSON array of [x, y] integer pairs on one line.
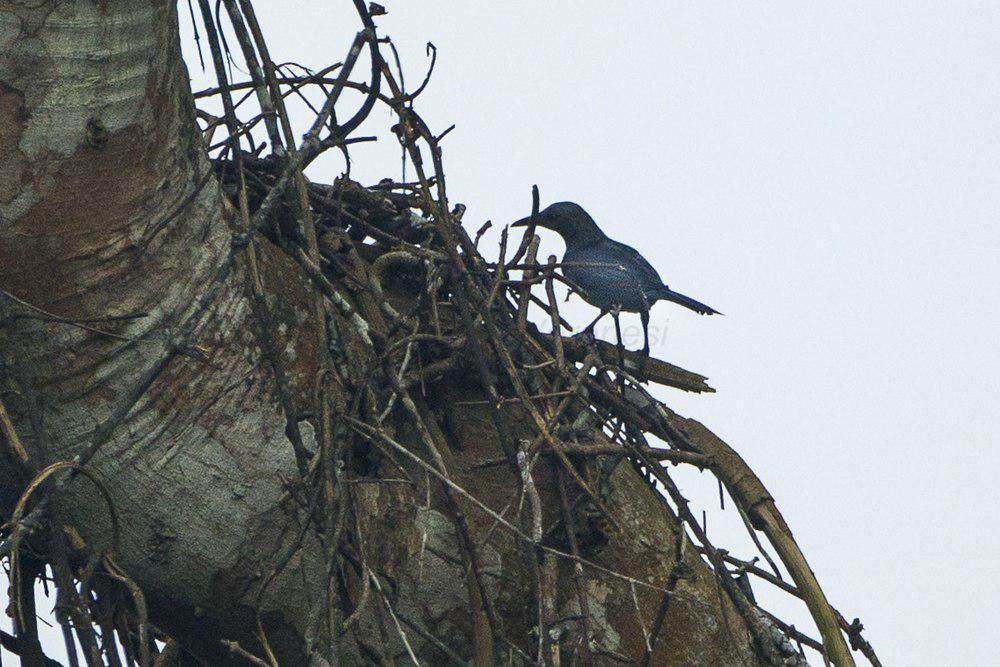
[[612, 275]]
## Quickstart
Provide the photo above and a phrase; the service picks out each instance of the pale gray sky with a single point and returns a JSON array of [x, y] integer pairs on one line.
[[826, 174]]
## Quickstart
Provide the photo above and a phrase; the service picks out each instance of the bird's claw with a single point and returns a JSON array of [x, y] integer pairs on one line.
[[587, 335], [640, 370]]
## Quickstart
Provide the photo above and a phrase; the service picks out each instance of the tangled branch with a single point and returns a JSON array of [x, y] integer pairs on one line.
[[394, 265]]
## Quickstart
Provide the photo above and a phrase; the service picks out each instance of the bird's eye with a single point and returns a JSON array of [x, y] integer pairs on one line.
[[550, 216]]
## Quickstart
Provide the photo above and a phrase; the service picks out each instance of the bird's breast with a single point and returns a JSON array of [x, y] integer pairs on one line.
[[605, 283]]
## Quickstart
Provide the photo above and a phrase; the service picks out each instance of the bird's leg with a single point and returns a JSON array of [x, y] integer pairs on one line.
[[615, 312], [644, 315], [590, 327], [641, 371], [588, 331]]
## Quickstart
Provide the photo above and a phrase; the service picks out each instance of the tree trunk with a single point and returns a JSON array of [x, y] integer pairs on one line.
[[109, 209]]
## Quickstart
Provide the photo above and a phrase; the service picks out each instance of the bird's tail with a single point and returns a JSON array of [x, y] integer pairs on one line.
[[697, 306]]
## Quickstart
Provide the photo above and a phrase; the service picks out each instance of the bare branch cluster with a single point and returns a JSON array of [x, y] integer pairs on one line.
[[405, 300]]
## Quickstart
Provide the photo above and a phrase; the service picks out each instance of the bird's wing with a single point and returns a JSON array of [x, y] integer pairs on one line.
[[648, 274]]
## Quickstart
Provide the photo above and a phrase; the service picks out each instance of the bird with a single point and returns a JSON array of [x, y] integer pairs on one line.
[[613, 277]]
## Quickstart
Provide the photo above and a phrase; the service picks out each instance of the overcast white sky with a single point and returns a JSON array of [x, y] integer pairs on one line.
[[826, 174]]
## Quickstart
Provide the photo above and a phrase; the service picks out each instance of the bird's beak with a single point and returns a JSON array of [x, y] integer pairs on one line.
[[523, 222]]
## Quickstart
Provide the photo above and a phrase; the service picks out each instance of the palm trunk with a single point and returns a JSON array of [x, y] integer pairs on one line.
[[109, 209]]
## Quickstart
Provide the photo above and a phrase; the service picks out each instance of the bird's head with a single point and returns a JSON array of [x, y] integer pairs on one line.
[[566, 218]]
